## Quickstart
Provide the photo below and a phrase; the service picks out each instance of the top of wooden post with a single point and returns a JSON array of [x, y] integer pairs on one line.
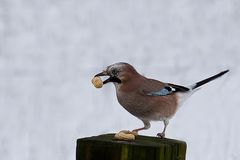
[[144, 147]]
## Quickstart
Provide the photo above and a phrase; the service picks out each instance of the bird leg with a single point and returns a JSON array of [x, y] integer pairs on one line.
[[147, 125], [162, 135]]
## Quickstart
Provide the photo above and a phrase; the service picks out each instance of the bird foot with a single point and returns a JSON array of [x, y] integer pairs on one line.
[[133, 132], [161, 135]]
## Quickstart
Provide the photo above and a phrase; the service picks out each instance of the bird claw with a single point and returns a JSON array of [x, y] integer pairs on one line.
[[135, 133], [161, 135]]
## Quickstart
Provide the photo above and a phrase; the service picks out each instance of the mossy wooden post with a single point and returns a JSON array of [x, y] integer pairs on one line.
[[104, 147]]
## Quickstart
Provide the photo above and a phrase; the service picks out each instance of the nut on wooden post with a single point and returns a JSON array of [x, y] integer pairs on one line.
[[125, 135]]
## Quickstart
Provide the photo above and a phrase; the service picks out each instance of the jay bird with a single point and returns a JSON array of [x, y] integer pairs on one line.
[[148, 99]]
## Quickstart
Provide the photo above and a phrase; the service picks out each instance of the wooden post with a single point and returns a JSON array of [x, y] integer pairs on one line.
[[104, 147]]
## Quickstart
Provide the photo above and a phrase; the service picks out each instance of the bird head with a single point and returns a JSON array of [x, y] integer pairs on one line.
[[118, 73]]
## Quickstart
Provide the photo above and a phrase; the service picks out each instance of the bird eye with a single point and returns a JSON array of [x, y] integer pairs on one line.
[[114, 72]]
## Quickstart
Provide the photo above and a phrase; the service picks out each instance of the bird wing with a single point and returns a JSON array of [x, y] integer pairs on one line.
[[157, 88]]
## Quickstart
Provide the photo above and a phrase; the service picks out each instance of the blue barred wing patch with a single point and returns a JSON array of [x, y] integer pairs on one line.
[[163, 92]]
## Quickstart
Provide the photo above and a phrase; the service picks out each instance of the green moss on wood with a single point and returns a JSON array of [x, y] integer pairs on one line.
[[104, 147]]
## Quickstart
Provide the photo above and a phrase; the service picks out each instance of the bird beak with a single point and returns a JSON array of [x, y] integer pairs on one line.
[[110, 79], [103, 73]]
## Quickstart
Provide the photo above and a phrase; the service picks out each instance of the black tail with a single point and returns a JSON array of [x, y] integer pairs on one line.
[[200, 83]]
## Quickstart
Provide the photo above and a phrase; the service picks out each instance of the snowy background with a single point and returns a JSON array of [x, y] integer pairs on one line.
[[49, 51]]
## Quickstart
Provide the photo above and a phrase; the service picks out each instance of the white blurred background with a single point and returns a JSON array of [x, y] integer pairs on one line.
[[49, 51]]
